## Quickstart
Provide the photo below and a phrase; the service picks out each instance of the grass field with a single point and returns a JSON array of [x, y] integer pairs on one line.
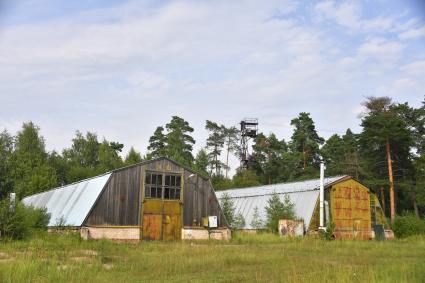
[[247, 258]]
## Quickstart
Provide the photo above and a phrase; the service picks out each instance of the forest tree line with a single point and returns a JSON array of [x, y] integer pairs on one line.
[[390, 132]]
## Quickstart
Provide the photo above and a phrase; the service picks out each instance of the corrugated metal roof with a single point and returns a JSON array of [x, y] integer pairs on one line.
[[303, 194], [71, 203]]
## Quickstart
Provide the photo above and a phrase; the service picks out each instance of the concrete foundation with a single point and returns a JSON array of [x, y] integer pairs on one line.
[[132, 234], [198, 233], [113, 233]]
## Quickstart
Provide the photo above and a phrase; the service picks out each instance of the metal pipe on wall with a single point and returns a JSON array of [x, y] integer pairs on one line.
[[322, 195]]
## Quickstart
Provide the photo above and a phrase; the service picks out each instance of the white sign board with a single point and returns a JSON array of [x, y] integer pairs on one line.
[[212, 221]]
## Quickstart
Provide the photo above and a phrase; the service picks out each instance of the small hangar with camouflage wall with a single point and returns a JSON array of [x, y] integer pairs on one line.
[[153, 200], [351, 206]]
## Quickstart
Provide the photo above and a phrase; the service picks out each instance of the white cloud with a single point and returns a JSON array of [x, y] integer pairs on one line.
[[351, 15], [403, 84], [416, 68], [413, 33], [381, 49], [345, 13]]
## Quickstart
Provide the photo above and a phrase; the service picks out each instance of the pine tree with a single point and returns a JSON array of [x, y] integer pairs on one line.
[[179, 142], [268, 154], [305, 140], [231, 141], [276, 210], [215, 143], [239, 221], [132, 157], [201, 162], [341, 155], [385, 134], [257, 222], [157, 144], [245, 178], [176, 144], [228, 208]]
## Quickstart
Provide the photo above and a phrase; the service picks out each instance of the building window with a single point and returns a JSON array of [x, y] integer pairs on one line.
[[153, 185], [172, 187]]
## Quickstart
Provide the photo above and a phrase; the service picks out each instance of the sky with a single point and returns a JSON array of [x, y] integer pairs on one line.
[[122, 68]]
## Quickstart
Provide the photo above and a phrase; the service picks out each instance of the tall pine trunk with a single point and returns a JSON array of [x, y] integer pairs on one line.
[[216, 161], [383, 200], [391, 180], [227, 160]]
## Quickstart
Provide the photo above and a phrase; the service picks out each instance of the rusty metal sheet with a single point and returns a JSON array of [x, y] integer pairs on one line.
[[152, 226], [161, 219], [152, 206], [350, 205], [171, 220]]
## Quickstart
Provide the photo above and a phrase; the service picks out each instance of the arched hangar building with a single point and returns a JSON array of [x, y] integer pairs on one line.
[[153, 200], [351, 206]]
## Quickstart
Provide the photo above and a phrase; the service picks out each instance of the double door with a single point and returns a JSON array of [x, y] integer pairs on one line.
[[162, 206]]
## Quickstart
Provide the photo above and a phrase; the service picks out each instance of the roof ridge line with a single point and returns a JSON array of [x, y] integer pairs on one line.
[[287, 183], [280, 193]]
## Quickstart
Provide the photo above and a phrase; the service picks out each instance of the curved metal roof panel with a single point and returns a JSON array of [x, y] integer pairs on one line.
[[302, 194], [70, 203]]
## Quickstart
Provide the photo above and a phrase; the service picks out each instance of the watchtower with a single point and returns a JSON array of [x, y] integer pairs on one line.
[[249, 130]]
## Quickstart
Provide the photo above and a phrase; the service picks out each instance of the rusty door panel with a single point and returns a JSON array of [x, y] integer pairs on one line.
[[171, 228], [152, 219], [152, 206], [172, 207], [350, 205], [171, 220], [161, 219], [152, 226]]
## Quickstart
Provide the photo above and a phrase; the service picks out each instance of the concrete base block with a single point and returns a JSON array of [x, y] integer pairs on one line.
[[198, 233], [112, 233]]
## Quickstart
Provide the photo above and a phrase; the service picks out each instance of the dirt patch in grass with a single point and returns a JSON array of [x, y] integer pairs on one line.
[[88, 252], [81, 258], [107, 266], [4, 257]]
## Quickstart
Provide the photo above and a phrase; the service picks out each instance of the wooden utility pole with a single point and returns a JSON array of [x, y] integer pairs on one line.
[[391, 180]]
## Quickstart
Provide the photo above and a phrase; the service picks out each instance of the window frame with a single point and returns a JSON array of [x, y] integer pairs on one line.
[[168, 186]]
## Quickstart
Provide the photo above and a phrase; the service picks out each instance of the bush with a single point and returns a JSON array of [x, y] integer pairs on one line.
[[257, 222], [276, 210], [239, 221], [328, 234], [19, 222], [228, 208], [408, 225]]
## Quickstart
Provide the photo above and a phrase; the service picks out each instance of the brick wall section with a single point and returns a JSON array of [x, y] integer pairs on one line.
[[124, 233], [202, 234], [133, 233]]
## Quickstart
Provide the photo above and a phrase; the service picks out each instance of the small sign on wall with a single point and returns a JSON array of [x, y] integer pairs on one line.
[[212, 221]]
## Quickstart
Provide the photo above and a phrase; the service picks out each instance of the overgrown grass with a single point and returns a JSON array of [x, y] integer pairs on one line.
[[247, 258]]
